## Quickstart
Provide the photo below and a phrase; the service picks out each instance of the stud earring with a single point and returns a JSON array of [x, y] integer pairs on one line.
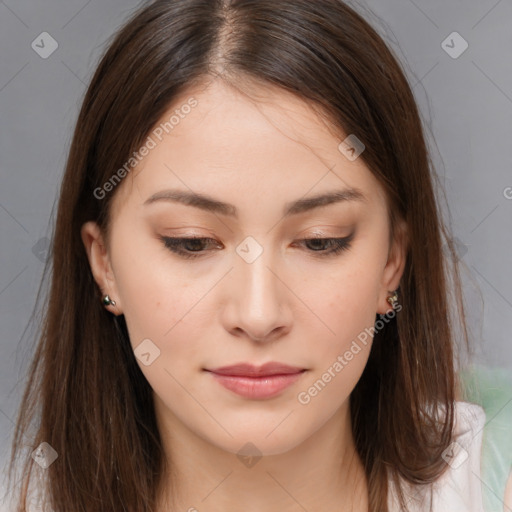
[[107, 301], [393, 299]]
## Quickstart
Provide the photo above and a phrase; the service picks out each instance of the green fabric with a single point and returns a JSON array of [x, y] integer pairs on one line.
[[491, 388]]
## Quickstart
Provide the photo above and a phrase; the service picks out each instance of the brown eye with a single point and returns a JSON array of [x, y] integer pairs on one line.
[[194, 247], [328, 246], [191, 247]]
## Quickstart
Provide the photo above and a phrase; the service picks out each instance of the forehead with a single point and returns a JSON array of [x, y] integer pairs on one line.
[[261, 140]]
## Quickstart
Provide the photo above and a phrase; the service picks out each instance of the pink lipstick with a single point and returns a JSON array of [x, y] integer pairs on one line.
[[257, 382]]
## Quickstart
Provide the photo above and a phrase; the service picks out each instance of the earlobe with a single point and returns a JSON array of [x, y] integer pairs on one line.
[[99, 262], [394, 268]]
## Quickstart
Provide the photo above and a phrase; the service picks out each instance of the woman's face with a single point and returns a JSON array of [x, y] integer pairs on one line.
[[252, 291]]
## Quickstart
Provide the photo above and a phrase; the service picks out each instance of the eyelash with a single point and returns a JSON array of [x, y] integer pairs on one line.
[[176, 245]]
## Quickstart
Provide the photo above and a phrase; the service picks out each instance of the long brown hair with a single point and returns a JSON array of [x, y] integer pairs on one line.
[[93, 405]]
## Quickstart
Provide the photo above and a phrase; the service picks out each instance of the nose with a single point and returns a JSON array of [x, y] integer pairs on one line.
[[258, 306]]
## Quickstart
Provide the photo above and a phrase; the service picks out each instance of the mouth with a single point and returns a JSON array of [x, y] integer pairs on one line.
[[254, 382]]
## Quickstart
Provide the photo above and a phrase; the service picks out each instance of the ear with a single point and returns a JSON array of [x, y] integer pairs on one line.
[[395, 266], [99, 261]]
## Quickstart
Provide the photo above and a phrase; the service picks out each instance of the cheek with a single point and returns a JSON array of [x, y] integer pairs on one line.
[[346, 297], [342, 345], [154, 298], [345, 302]]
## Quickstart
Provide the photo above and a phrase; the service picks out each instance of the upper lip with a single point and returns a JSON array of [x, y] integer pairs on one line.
[[249, 370]]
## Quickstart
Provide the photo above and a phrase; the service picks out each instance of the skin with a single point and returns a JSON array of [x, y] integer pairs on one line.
[[290, 305]]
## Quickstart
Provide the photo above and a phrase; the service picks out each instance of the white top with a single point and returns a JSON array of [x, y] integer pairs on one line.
[[459, 489]]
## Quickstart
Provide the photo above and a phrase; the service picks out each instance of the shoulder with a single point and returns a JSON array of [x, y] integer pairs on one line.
[[491, 387], [459, 488], [36, 495], [469, 421]]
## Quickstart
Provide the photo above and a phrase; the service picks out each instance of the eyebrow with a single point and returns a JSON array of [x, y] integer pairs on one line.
[[209, 204]]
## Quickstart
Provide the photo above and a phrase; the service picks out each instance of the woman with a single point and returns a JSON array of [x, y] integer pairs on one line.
[[248, 304]]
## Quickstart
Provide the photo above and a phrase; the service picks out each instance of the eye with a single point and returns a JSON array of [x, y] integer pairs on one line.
[[187, 247], [334, 245], [193, 247]]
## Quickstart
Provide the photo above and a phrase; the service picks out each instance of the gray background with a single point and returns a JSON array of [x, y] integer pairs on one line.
[[466, 103]]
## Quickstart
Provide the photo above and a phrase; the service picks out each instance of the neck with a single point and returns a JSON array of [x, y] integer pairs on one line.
[[323, 473]]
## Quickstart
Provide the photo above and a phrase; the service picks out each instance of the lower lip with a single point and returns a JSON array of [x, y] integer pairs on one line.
[[257, 387]]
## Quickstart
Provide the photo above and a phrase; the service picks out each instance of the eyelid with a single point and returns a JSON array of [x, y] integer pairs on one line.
[[329, 231], [338, 245]]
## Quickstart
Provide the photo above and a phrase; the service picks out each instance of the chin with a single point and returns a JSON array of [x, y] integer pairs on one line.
[[258, 442]]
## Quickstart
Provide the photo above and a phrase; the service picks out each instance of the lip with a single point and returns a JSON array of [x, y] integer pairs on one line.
[[257, 382], [250, 370]]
